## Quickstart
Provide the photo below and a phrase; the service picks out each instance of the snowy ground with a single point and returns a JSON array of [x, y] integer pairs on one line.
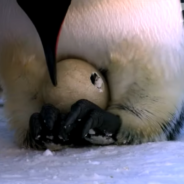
[[152, 163]]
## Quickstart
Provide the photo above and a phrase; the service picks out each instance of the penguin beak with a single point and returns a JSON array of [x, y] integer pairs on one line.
[[47, 17]]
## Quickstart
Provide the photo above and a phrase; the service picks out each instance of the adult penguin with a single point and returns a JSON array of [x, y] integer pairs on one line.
[[138, 44]]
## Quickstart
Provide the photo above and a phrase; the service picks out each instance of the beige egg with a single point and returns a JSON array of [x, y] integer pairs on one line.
[[77, 80]]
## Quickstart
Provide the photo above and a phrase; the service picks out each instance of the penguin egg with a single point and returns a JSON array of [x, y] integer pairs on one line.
[[77, 80]]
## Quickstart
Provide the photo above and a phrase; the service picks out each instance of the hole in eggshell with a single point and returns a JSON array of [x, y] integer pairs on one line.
[[97, 81], [93, 78]]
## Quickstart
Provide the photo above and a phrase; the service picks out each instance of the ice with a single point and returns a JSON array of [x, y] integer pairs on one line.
[[151, 163]]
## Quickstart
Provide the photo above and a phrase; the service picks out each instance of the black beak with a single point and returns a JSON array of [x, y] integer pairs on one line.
[[47, 16]]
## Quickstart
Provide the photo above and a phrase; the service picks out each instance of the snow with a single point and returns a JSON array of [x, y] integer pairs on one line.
[[151, 163], [47, 153]]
